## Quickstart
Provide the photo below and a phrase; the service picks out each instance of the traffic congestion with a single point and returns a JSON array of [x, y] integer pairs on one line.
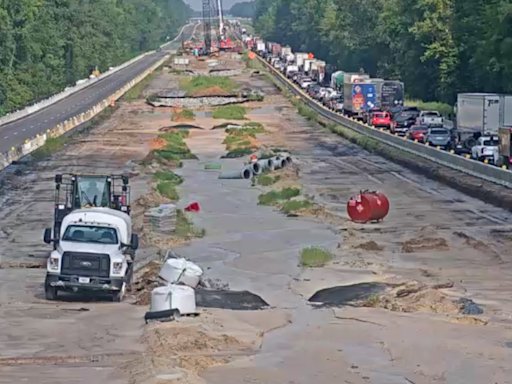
[[478, 129]]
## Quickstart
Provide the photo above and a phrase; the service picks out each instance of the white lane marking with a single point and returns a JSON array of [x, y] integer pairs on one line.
[[15, 133], [24, 129], [6, 137]]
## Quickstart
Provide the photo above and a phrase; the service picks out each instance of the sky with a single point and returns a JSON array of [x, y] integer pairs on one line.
[[198, 4]]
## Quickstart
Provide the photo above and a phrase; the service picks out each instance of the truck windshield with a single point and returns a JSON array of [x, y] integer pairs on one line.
[[89, 234], [93, 191], [431, 114]]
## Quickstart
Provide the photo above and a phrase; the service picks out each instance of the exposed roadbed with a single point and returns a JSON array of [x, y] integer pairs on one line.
[[419, 339]]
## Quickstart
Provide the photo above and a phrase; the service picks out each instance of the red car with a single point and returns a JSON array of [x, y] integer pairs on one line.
[[417, 132], [381, 119]]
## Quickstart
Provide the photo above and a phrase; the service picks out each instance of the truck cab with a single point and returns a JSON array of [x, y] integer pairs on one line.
[[93, 252]]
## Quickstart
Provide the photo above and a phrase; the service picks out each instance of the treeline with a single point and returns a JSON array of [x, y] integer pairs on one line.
[[46, 45], [437, 47], [244, 9]]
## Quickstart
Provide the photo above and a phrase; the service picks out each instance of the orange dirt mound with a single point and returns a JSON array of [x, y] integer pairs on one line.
[[212, 91]]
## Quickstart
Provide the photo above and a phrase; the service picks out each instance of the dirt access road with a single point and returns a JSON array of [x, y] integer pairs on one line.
[[420, 338]]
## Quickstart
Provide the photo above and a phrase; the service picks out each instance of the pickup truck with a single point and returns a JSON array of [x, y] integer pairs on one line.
[[486, 148], [430, 118]]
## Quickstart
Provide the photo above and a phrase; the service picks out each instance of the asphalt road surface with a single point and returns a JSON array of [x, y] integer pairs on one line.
[[18, 131]]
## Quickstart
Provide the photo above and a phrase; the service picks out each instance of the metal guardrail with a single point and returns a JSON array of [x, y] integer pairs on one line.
[[472, 167]]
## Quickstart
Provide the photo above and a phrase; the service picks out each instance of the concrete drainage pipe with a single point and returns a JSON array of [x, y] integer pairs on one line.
[[279, 162], [255, 168], [266, 164], [245, 174]]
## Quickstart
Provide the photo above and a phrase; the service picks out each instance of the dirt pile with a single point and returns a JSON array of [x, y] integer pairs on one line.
[[211, 91], [421, 244], [146, 280], [188, 348], [158, 143], [414, 296], [150, 200], [369, 246]]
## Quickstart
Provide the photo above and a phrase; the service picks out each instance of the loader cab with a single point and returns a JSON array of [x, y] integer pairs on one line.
[[74, 192]]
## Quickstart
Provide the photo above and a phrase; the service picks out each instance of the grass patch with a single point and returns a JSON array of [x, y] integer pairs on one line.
[[198, 83], [176, 148], [185, 114], [266, 180], [168, 177], [273, 197], [52, 145], [314, 257], [185, 228], [244, 132], [135, 92], [168, 190], [372, 301], [444, 109], [293, 206], [238, 152], [230, 112]]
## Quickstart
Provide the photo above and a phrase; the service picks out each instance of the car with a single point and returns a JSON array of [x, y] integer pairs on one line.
[[336, 104], [305, 82], [430, 118], [486, 148], [312, 89], [380, 119], [367, 114], [417, 132], [438, 137], [405, 119]]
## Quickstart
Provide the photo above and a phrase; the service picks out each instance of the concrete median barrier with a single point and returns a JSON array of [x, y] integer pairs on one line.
[[16, 153]]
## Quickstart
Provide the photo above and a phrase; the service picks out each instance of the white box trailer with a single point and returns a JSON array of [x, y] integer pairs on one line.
[[483, 112], [286, 51], [307, 64], [299, 58], [260, 46]]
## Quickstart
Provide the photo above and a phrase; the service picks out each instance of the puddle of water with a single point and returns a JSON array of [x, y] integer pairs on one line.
[[267, 110], [203, 114], [345, 294], [508, 344], [235, 300]]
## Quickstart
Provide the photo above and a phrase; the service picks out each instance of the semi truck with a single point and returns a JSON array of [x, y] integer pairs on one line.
[[358, 97], [483, 112], [480, 114], [337, 80], [299, 59]]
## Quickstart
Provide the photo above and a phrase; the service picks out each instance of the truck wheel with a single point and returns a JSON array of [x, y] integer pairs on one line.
[[119, 295], [50, 292]]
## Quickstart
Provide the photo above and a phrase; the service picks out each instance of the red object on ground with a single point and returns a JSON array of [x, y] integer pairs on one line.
[[368, 206], [194, 207]]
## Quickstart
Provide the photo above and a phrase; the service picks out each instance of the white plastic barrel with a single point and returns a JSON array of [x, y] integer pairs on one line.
[[183, 298], [181, 270], [160, 299]]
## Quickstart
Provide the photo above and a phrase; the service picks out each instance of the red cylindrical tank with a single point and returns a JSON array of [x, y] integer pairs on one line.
[[368, 206]]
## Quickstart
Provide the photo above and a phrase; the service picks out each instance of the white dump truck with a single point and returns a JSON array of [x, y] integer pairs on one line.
[[94, 252]]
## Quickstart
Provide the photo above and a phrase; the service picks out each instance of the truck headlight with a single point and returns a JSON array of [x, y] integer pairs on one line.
[[117, 268], [54, 263]]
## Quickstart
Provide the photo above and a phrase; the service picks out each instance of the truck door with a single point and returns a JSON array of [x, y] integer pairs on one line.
[[492, 114]]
